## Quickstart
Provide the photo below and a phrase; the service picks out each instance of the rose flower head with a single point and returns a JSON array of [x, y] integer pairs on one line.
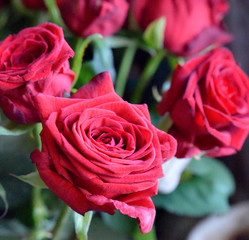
[[32, 61], [101, 153], [208, 102], [191, 25], [84, 18]]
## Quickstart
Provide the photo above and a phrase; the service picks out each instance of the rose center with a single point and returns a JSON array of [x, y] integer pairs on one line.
[[228, 94], [107, 139]]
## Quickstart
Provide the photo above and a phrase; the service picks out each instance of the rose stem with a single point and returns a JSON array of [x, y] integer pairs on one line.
[[61, 220], [39, 214], [124, 69], [39, 211], [54, 12], [80, 47], [149, 71]]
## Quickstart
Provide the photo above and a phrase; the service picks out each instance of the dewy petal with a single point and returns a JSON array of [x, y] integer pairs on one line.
[[100, 85]]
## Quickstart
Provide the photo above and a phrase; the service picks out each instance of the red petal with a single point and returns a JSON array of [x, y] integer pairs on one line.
[[100, 85]]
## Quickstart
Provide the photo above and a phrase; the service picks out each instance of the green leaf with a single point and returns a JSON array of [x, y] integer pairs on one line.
[[82, 224], [119, 222], [154, 33], [205, 191], [3, 196], [14, 129], [33, 179]]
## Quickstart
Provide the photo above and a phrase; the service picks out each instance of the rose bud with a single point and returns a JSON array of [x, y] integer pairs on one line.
[[34, 60], [101, 153], [208, 102], [84, 18], [191, 25]]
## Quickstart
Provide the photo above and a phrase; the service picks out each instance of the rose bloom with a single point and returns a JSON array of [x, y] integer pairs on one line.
[[191, 25], [84, 18], [32, 61], [208, 102], [101, 153], [34, 4]]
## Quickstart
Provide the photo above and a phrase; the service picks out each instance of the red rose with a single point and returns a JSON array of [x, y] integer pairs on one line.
[[32, 61], [209, 104], [191, 25], [101, 153], [34, 4], [84, 18]]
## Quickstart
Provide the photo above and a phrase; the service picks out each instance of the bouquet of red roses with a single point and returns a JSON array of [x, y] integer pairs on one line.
[[115, 107]]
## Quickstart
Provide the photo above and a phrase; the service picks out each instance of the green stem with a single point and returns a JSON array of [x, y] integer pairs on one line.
[[39, 210], [124, 69], [80, 47], [149, 71], [137, 235], [39, 213], [54, 12], [61, 221]]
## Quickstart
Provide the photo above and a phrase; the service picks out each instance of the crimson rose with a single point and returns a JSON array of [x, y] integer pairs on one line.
[[32, 61], [208, 102], [191, 25], [84, 18], [101, 153]]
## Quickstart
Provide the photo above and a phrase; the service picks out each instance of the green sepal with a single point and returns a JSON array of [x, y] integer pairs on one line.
[[32, 178], [82, 224], [154, 33], [15, 129]]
